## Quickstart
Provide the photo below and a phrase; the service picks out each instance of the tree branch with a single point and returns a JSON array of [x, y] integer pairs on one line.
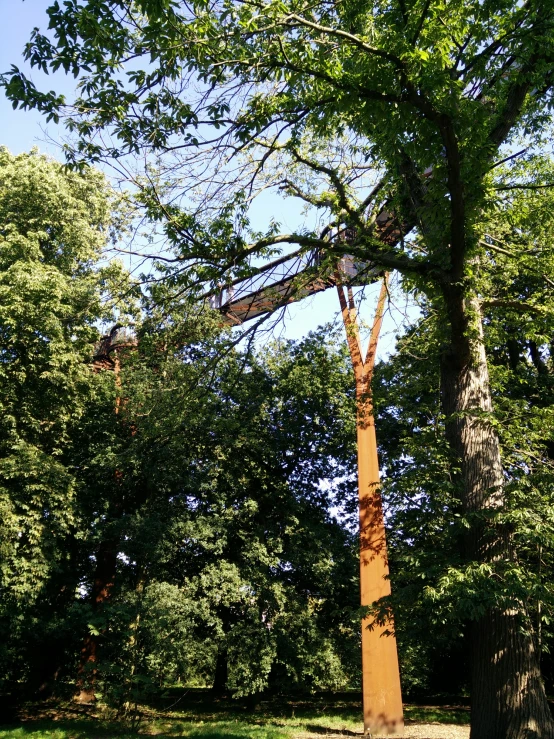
[[525, 187], [347, 36], [421, 22], [516, 305]]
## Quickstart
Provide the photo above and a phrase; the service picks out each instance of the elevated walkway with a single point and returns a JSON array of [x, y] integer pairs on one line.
[[288, 279]]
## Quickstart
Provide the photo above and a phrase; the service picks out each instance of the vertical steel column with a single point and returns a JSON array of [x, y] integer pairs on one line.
[[382, 698]]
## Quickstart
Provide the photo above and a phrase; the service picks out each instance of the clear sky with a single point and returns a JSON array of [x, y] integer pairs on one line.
[[21, 130]]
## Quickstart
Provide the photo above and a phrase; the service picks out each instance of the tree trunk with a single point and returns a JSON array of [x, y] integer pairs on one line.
[[221, 673], [104, 576], [508, 697]]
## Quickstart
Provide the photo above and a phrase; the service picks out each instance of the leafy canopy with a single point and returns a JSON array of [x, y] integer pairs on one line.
[[318, 100]]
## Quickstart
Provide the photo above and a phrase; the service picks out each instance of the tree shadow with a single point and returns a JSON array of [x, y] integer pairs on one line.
[[315, 729]]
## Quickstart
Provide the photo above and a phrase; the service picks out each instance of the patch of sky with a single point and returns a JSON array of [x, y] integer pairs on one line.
[[21, 130]]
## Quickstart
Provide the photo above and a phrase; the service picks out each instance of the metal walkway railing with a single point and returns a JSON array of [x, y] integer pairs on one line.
[[288, 279]]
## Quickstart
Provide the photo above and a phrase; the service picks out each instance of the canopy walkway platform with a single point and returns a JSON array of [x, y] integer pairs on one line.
[[289, 279]]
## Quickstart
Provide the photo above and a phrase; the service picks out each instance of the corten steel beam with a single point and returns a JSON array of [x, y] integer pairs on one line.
[[244, 299], [382, 698]]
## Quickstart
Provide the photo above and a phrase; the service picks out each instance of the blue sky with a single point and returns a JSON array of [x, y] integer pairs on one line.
[[21, 130]]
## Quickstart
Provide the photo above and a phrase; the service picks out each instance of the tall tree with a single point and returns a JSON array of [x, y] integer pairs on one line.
[[54, 225], [236, 533], [223, 549], [314, 98], [437, 590]]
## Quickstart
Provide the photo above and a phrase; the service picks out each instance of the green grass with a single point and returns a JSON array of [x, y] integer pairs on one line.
[[72, 729], [194, 715], [436, 715], [63, 729]]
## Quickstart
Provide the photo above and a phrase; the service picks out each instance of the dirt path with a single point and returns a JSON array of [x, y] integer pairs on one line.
[[411, 731]]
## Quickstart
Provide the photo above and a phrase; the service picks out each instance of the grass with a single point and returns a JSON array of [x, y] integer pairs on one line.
[[73, 729], [195, 715]]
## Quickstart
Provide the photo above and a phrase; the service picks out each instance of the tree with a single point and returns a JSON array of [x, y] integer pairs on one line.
[[425, 518], [246, 578], [222, 550], [313, 99], [53, 227], [437, 592], [118, 525]]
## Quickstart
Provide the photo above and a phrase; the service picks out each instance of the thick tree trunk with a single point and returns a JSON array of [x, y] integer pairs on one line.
[[508, 697]]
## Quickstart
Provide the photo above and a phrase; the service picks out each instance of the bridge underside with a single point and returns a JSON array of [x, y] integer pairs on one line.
[[237, 308]]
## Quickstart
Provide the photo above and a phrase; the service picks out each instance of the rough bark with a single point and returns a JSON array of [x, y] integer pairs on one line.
[[508, 696]]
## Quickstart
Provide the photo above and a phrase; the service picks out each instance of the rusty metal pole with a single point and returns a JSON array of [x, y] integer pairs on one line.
[[382, 697]]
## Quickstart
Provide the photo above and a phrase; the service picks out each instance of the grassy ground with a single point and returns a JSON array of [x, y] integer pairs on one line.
[[195, 715]]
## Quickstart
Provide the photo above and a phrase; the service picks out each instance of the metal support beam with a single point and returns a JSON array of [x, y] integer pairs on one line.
[[382, 698]]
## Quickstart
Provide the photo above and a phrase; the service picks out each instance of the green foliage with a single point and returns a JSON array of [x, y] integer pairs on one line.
[[219, 495], [227, 543], [53, 226], [314, 101], [176, 510], [438, 588]]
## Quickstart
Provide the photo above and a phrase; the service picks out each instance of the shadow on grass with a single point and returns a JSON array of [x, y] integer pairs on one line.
[[436, 715], [92, 729], [317, 729], [215, 730], [65, 729], [191, 715]]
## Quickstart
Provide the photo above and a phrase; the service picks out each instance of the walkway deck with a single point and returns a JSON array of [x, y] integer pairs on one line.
[[286, 280]]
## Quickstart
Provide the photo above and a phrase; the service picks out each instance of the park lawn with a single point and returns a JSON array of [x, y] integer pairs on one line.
[[224, 719], [90, 729]]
